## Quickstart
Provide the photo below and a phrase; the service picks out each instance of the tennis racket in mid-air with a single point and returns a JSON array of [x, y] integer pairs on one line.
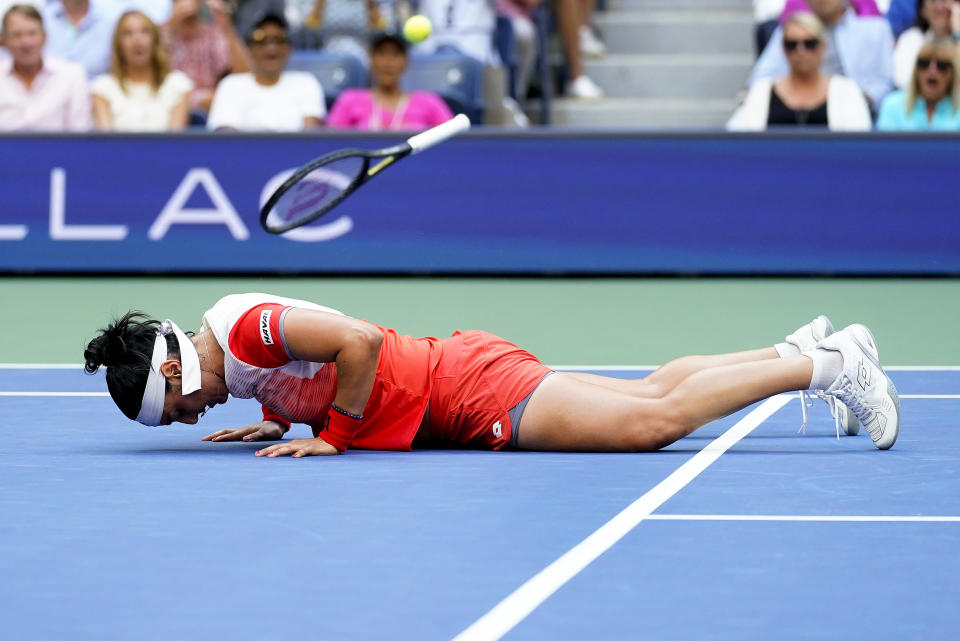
[[323, 183]]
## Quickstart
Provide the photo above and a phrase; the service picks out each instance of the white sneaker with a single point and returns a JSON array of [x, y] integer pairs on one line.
[[583, 87], [590, 45], [863, 386], [806, 339]]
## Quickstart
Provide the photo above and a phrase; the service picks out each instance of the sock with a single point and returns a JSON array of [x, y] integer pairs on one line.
[[786, 349], [827, 366]]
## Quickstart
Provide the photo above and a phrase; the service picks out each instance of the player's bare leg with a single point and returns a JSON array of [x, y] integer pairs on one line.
[[662, 381], [567, 413]]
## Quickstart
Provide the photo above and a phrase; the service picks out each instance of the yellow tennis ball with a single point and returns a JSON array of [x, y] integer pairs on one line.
[[416, 28]]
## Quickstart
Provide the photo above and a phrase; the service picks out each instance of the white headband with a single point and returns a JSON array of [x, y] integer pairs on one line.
[[151, 409]]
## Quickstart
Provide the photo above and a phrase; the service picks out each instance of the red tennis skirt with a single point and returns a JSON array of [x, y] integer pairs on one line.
[[478, 379]]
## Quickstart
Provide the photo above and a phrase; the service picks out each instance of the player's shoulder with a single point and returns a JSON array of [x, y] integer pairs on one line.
[[232, 306]]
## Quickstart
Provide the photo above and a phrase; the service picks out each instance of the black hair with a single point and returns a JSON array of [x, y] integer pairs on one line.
[[382, 37], [125, 347], [269, 18]]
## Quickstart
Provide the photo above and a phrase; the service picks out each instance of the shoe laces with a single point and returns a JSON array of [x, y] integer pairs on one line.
[[807, 401], [853, 401]]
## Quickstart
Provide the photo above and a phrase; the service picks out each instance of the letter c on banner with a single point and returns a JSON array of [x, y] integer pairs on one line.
[[309, 233]]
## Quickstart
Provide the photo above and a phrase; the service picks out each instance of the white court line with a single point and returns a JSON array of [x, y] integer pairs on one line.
[[525, 599], [40, 366], [929, 395], [54, 394], [805, 517], [636, 368]]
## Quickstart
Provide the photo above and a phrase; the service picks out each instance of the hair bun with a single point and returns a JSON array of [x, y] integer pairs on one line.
[[121, 343]]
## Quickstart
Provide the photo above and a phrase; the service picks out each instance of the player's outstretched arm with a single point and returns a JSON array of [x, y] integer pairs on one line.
[[262, 431]]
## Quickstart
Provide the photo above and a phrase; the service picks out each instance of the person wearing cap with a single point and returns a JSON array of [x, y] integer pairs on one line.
[[386, 105], [268, 98]]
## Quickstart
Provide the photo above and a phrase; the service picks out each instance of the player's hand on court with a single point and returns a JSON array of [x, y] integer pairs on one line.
[[300, 447], [262, 431]]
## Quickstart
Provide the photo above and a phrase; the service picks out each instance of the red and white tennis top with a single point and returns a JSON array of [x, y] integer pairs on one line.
[[249, 328]]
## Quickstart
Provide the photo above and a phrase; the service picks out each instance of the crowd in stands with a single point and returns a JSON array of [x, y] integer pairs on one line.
[[155, 65], [854, 65]]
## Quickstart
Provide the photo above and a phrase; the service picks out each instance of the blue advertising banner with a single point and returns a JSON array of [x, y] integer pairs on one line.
[[488, 204]]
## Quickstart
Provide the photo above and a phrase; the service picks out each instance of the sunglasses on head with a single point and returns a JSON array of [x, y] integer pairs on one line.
[[943, 66], [808, 43]]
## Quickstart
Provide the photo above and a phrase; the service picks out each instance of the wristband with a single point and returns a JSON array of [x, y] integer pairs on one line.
[[339, 429]]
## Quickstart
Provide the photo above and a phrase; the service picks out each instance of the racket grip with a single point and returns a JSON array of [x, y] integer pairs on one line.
[[430, 137]]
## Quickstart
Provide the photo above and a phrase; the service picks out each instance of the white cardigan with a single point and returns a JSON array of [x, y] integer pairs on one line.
[[847, 109]]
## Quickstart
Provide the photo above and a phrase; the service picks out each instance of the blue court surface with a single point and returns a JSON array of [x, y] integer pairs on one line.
[[745, 530]]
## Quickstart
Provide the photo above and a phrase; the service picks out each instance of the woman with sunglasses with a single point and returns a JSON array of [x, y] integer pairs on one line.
[[935, 19], [805, 96], [931, 102]]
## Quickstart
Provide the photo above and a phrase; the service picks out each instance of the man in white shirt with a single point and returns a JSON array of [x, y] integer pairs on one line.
[[268, 98], [37, 92]]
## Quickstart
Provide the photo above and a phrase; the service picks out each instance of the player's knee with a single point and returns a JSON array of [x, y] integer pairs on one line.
[[657, 429]]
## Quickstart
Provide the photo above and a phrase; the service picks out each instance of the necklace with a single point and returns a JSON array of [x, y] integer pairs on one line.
[[206, 346]]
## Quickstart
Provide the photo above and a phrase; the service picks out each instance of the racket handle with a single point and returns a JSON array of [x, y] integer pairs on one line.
[[430, 137]]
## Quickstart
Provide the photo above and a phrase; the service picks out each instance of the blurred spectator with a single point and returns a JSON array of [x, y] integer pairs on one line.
[[932, 100], [467, 27], [205, 46], [770, 13], [268, 98], [140, 93], [860, 7], [934, 20], [571, 18], [343, 25], [805, 96], [386, 105], [463, 25], [80, 30], [38, 92], [859, 47], [520, 13]]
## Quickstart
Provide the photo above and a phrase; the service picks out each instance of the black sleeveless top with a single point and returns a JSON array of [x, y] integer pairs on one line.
[[781, 114]]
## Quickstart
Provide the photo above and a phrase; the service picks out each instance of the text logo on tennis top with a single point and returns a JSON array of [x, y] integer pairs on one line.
[[265, 327], [497, 429]]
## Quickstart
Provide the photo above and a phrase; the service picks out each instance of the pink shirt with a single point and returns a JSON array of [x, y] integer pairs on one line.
[[355, 109], [58, 99]]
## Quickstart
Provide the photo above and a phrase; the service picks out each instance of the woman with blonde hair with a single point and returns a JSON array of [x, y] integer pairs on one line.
[[141, 92], [805, 96], [932, 100]]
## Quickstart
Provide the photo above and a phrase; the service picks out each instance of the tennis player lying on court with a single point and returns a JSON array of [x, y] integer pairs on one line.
[[364, 386]]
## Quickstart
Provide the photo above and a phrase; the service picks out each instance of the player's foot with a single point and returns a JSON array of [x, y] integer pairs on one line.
[[863, 387], [805, 339]]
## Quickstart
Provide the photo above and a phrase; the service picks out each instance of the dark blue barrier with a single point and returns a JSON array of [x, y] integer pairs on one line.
[[577, 203]]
